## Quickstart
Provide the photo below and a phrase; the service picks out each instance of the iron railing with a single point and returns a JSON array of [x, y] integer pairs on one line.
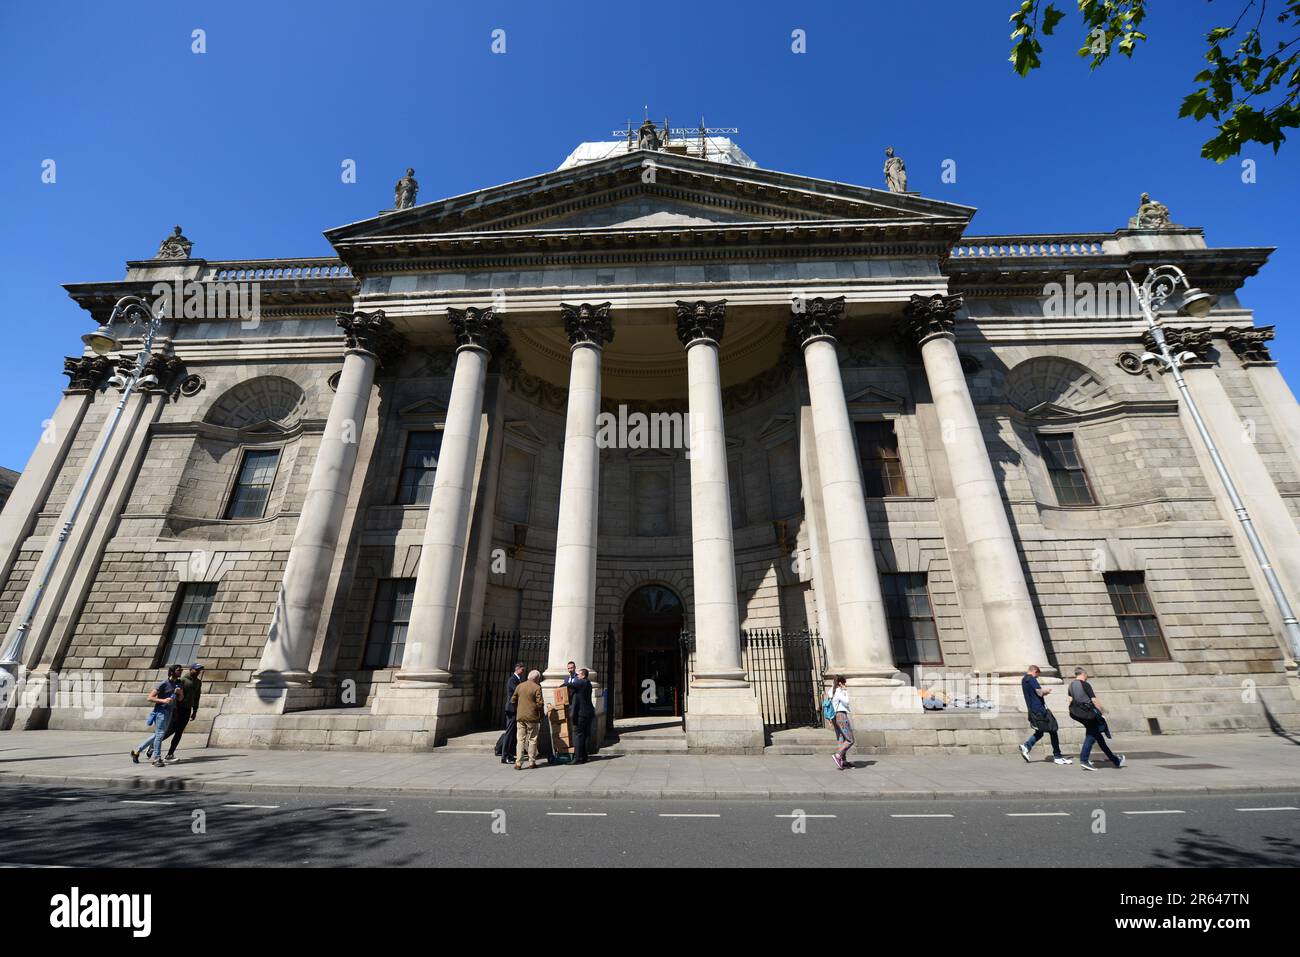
[[787, 671], [497, 652]]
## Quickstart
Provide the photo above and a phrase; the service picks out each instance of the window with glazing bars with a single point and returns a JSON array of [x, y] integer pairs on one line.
[[188, 624], [1069, 478], [419, 467], [388, 623], [253, 485], [911, 619], [1137, 616], [882, 467]]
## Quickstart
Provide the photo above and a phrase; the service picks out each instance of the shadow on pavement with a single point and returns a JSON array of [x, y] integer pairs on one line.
[[1198, 848]]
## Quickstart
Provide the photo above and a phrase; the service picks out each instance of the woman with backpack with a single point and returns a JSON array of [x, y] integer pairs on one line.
[[164, 698], [837, 711]]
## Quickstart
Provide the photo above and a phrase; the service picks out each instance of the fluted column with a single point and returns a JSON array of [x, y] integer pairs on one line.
[[928, 321], [717, 618], [863, 647], [573, 600], [370, 341], [427, 657]]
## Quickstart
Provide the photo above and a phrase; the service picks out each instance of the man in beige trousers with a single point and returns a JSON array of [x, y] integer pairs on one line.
[[529, 711]]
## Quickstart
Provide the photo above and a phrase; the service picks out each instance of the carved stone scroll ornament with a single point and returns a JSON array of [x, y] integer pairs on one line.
[[816, 318], [174, 246], [373, 333], [475, 327], [1196, 341], [1250, 343], [925, 317], [162, 373], [87, 372], [587, 323], [701, 320]]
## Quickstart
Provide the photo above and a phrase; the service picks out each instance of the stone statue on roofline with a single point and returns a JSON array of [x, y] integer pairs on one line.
[[895, 172], [174, 246], [647, 136], [1151, 214], [404, 192]]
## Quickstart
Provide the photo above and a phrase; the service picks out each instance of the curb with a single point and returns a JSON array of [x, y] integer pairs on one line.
[[568, 792]]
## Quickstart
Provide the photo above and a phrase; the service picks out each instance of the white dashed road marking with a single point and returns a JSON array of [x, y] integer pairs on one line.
[[1268, 809], [575, 814], [464, 812], [254, 807], [373, 809], [1038, 814], [920, 815], [162, 803], [690, 815], [1155, 812], [804, 815]]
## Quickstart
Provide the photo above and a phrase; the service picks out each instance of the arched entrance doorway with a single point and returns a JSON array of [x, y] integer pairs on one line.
[[652, 627]]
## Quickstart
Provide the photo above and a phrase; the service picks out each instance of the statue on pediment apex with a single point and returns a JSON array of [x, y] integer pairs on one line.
[[405, 190], [647, 136], [895, 172]]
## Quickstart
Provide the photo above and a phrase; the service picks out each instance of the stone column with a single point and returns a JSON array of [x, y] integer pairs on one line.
[[86, 374], [426, 661], [573, 601], [370, 340], [1251, 346], [1017, 643], [722, 710], [863, 650], [1256, 485]]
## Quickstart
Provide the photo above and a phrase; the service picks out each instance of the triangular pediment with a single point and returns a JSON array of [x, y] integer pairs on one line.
[[423, 407], [872, 397], [524, 432], [651, 190]]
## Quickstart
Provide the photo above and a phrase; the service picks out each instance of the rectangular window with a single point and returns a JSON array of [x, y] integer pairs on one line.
[[911, 620], [419, 466], [253, 485], [1069, 478], [882, 467], [189, 623], [1137, 616], [388, 623]]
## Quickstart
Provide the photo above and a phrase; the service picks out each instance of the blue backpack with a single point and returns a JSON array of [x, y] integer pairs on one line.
[[828, 709]]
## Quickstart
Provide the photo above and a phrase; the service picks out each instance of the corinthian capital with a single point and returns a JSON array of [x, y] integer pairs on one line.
[[1196, 341], [373, 333], [475, 327], [1250, 343], [925, 317], [815, 318], [587, 323], [701, 320], [87, 372]]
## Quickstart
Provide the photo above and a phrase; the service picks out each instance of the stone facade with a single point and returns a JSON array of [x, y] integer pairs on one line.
[[840, 310]]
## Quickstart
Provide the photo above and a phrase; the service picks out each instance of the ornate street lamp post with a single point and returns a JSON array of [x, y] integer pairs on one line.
[[1160, 283], [129, 309]]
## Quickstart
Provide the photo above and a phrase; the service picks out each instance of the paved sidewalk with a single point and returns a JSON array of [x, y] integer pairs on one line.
[[1167, 764]]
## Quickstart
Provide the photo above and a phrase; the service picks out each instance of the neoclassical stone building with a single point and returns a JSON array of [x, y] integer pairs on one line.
[[939, 452]]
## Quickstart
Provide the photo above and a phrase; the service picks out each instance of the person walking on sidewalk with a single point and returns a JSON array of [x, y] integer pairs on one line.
[[843, 723], [188, 709], [1087, 710], [582, 714], [163, 698], [1041, 718], [530, 708], [509, 740]]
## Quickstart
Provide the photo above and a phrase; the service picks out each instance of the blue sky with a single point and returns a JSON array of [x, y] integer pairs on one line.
[[243, 145]]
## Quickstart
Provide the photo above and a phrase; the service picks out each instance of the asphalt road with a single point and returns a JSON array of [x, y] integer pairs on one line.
[[122, 828]]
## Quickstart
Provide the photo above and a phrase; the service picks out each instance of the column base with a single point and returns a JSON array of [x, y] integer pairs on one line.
[[270, 697], [430, 715], [434, 680], [724, 720]]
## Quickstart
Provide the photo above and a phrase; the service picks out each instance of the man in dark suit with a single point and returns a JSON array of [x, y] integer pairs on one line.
[[509, 740], [582, 714]]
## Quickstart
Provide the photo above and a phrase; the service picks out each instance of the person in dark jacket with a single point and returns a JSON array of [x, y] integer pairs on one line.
[[582, 714], [1087, 710], [187, 710], [509, 740]]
